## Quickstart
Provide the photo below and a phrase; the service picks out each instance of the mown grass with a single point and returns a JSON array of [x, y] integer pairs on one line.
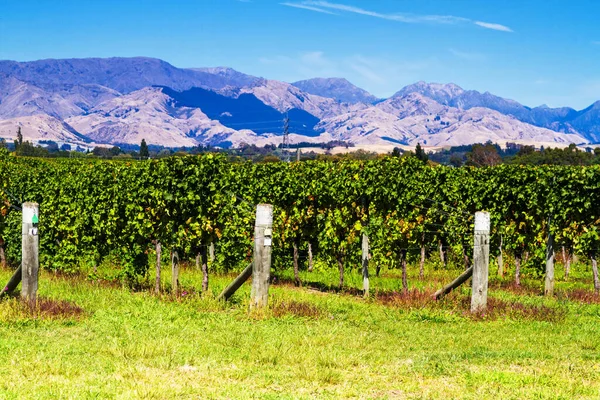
[[100, 340]]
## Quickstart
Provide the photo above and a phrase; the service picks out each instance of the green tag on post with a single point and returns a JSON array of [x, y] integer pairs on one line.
[[34, 219]]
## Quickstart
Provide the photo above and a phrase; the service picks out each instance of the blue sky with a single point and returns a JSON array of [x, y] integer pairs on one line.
[[533, 51]]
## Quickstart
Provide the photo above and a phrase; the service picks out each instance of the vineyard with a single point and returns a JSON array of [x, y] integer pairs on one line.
[[410, 211], [107, 324]]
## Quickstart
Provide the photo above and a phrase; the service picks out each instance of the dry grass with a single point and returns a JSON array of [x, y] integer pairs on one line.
[[580, 295], [296, 308]]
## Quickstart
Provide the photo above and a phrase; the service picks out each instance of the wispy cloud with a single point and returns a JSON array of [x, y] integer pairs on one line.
[[307, 7], [324, 6], [380, 75], [496, 27], [467, 55], [407, 18]]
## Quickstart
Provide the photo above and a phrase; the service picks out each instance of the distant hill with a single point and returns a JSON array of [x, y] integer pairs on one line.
[[124, 100], [336, 88]]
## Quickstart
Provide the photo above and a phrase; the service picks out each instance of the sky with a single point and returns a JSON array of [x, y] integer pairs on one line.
[[533, 51]]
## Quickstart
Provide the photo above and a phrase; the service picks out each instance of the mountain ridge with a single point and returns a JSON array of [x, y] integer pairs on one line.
[[215, 104]]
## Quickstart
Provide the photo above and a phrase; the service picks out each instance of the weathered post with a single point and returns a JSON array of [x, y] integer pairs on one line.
[[481, 261], [157, 282], [13, 282], [298, 154], [211, 252], [365, 263], [310, 258], [30, 253], [500, 260], [175, 273], [549, 287], [261, 266]]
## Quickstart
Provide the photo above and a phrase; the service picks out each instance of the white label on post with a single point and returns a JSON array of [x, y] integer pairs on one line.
[[28, 213], [33, 231], [267, 241], [268, 232]]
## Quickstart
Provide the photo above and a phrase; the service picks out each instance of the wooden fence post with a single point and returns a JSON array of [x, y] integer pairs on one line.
[[158, 253], [261, 266], [481, 261], [365, 263], [549, 287], [310, 257], [211, 252], [30, 253], [500, 260], [175, 273]]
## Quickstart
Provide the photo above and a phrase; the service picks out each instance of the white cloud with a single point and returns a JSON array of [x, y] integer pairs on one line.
[[496, 27], [407, 18], [307, 7], [325, 6]]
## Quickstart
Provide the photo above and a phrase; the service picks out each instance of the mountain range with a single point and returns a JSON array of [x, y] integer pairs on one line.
[[124, 100]]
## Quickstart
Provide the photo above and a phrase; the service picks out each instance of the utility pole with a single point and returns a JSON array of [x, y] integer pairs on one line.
[[286, 138]]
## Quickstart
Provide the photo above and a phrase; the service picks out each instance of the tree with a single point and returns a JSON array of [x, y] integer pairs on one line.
[[420, 153], [144, 153], [396, 152], [115, 151], [483, 155], [19, 140]]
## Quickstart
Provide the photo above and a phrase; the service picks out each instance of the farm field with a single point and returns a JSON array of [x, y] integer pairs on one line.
[[107, 341]]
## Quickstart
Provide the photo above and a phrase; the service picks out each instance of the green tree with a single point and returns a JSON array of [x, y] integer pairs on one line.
[[420, 153], [144, 153], [483, 155], [19, 140]]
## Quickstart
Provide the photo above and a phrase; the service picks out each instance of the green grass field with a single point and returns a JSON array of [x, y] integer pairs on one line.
[[310, 344]]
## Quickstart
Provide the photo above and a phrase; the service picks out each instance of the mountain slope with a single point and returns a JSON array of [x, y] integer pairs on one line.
[[563, 119], [230, 75], [336, 88], [152, 115], [20, 99], [244, 111], [415, 118], [121, 74], [40, 127]]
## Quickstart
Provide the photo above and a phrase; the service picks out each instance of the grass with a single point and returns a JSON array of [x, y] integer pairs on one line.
[[97, 340]]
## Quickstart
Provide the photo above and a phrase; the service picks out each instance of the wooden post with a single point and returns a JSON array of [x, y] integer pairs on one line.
[[2, 254], [310, 258], [175, 273], [481, 261], [237, 282], [441, 249], [462, 278], [365, 263], [549, 287], [203, 253], [30, 253], [298, 154], [157, 283], [13, 282], [566, 263], [261, 266], [500, 261], [296, 266], [422, 261], [211, 252], [403, 253]]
